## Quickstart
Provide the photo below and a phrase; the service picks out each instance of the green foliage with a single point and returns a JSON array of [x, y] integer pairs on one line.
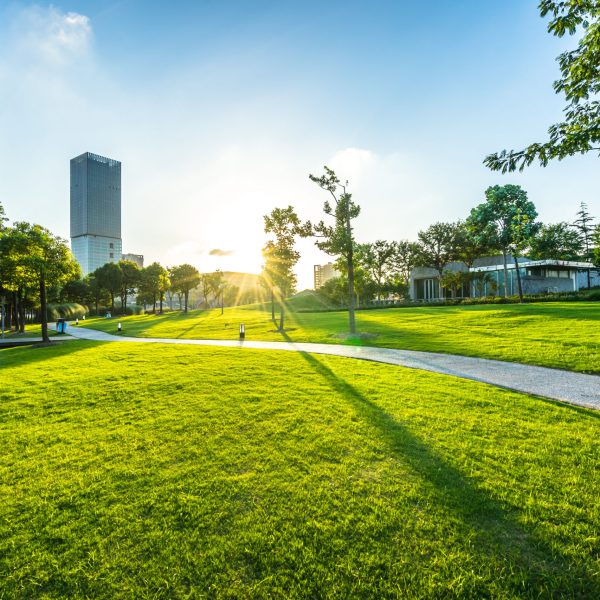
[[110, 278], [439, 245], [154, 282], [184, 278], [584, 225], [66, 310], [338, 239], [558, 241], [130, 281], [579, 132]]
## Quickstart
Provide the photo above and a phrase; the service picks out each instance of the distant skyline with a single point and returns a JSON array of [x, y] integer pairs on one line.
[[219, 111]]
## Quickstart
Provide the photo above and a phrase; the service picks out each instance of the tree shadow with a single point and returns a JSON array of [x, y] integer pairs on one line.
[[17, 357], [499, 536]]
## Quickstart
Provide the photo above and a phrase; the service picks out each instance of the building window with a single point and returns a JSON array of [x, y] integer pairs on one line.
[[112, 255], [111, 245]]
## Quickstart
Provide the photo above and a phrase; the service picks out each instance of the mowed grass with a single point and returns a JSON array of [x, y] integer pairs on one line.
[[182, 472], [563, 335]]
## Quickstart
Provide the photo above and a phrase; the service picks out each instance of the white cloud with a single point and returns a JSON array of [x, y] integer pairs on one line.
[[352, 163], [54, 36]]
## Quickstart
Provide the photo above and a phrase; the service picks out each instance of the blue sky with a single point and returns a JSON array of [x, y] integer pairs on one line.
[[219, 110]]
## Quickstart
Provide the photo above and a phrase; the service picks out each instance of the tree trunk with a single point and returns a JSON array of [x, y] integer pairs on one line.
[[160, 303], [505, 273], [520, 287], [185, 295], [350, 259], [222, 302], [272, 305], [97, 300], [44, 310], [281, 316], [112, 302], [20, 312]]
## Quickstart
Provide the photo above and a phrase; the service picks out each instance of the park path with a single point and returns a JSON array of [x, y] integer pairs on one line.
[[564, 386]]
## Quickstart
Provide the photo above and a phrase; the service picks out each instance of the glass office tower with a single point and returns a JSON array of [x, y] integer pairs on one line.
[[95, 210]]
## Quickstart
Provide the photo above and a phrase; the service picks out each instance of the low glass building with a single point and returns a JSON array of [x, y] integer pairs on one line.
[[486, 278]]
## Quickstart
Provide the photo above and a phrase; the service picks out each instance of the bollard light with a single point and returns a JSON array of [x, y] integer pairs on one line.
[[119, 328], [242, 331], [77, 321]]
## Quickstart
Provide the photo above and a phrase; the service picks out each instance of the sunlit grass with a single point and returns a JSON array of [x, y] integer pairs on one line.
[[564, 335], [163, 471]]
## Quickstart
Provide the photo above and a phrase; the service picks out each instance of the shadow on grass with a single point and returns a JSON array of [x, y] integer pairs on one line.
[[17, 357], [499, 536]]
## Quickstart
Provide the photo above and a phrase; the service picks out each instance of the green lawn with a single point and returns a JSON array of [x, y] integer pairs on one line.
[[182, 472], [564, 335]]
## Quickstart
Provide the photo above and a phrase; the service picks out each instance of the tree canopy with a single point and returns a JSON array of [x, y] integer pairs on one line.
[[338, 239], [579, 131]]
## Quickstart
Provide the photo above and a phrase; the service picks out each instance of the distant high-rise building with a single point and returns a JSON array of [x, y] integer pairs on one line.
[[323, 273], [95, 210], [138, 259]]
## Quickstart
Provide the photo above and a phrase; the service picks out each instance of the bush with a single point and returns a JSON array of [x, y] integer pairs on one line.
[[66, 310]]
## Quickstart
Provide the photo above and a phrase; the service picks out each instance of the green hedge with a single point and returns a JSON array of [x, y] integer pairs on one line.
[[66, 310]]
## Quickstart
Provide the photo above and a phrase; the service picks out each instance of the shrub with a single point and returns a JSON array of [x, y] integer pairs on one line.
[[66, 310]]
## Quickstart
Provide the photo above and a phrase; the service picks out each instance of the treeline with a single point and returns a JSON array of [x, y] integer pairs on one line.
[[505, 224], [38, 269], [34, 265]]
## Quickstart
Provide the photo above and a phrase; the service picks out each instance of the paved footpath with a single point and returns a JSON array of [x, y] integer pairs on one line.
[[565, 386]]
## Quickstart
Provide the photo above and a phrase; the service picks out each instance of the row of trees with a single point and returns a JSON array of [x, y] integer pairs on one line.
[[152, 285], [505, 223], [33, 262]]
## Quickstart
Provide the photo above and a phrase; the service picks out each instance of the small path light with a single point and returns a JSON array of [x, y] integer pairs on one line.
[[77, 321], [119, 328], [242, 331]]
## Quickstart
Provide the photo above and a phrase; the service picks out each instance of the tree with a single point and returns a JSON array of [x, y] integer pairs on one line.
[[596, 239], [469, 247], [523, 230], [216, 286], [154, 283], [377, 259], [338, 239], [130, 281], [584, 226], [49, 260], [205, 284], [183, 279], [558, 241], [579, 132], [110, 278], [438, 245], [492, 223], [15, 278], [77, 290], [97, 292], [405, 259], [280, 256]]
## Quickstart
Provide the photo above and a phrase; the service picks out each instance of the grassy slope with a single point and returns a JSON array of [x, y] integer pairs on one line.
[[564, 335], [129, 471]]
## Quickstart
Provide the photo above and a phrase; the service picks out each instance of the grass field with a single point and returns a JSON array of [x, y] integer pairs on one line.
[[184, 472], [563, 335]]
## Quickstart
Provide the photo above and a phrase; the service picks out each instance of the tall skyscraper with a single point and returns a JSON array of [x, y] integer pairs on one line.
[[95, 210]]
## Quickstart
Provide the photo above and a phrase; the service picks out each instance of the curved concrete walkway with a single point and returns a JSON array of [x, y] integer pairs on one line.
[[564, 386]]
